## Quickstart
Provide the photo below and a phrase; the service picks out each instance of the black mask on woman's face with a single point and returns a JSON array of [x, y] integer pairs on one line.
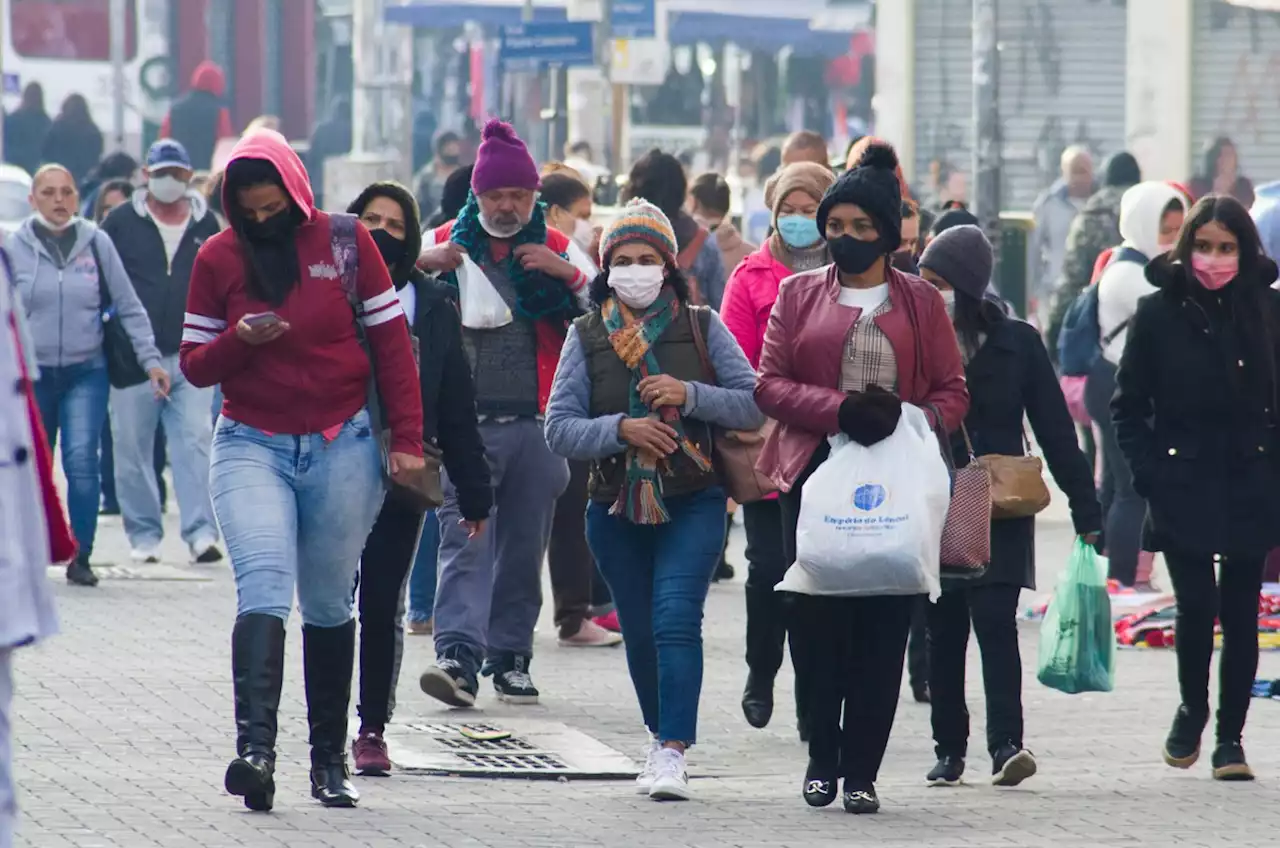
[[278, 227], [905, 261], [391, 248], [853, 256], [450, 159]]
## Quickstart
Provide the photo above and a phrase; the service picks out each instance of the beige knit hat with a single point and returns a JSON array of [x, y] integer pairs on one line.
[[809, 177]]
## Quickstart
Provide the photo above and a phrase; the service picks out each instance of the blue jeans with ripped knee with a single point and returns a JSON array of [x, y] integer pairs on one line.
[[296, 510]]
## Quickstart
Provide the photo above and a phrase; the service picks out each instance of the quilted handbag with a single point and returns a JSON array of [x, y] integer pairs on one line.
[[966, 536]]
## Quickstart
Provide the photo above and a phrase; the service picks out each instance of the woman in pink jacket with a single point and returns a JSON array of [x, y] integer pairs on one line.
[[796, 245], [873, 338]]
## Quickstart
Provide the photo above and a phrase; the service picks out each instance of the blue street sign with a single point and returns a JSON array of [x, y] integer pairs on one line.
[[530, 47], [634, 18], [12, 84]]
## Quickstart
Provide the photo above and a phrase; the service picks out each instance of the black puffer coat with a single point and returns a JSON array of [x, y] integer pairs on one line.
[[1195, 412], [1010, 378]]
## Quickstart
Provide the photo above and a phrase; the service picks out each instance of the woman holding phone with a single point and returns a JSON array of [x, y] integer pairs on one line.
[[296, 471]]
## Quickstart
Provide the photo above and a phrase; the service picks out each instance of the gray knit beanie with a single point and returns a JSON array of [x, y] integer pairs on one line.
[[962, 256]]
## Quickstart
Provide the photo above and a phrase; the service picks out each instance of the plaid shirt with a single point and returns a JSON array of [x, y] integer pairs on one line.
[[868, 356]]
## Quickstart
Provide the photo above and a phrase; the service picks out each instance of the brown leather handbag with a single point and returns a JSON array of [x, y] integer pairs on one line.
[[734, 452], [1018, 489]]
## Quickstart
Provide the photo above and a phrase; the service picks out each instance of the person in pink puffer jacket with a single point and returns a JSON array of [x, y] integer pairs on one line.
[[795, 246]]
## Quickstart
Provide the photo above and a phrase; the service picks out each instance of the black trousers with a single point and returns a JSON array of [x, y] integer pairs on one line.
[[1233, 601], [382, 582], [993, 610], [918, 646], [853, 651], [848, 655], [569, 559], [766, 563], [1124, 509]]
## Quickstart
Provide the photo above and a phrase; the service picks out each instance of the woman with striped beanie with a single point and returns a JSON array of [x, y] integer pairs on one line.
[[634, 397]]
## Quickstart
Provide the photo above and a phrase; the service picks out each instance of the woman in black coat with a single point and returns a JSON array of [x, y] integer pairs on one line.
[[449, 424], [1010, 378], [1195, 414], [74, 140]]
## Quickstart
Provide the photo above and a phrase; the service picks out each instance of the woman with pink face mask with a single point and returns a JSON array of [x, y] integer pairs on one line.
[[1195, 414]]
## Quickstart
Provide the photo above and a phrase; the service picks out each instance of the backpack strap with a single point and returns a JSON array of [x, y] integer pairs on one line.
[[689, 255], [1124, 253], [346, 254]]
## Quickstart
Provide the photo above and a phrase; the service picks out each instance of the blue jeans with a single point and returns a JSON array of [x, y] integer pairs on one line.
[[659, 576], [135, 414], [107, 467], [296, 510], [422, 580], [73, 401]]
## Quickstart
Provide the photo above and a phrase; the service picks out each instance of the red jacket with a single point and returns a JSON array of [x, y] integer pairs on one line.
[[800, 371], [749, 297], [315, 376], [550, 334]]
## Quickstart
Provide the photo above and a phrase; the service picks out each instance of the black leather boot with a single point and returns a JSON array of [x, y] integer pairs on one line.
[[757, 700], [328, 657], [257, 667]]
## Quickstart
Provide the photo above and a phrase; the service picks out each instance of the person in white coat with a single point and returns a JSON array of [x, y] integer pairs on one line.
[[1151, 214], [33, 527]]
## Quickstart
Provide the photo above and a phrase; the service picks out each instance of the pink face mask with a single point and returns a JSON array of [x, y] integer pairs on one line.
[[1214, 272]]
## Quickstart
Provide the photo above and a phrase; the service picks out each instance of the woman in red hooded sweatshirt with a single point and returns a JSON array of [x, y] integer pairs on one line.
[[295, 470]]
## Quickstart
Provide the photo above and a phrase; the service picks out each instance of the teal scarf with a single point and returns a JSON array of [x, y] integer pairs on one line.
[[633, 337]]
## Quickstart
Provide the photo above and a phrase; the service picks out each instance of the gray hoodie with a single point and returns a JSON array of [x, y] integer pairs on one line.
[[62, 301]]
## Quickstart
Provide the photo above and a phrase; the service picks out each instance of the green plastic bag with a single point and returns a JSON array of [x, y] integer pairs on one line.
[[1077, 638]]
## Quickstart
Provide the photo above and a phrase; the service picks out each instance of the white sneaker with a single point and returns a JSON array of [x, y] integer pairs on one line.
[[645, 780], [670, 780], [150, 556]]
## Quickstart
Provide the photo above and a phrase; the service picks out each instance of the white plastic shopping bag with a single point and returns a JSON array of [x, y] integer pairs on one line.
[[871, 518], [481, 306]]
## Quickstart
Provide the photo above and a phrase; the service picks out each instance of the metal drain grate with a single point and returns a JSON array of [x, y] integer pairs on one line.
[[533, 750], [149, 573]]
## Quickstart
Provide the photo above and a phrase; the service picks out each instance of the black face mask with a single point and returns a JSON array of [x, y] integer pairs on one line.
[[450, 159], [853, 256], [278, 227], [391, 248]]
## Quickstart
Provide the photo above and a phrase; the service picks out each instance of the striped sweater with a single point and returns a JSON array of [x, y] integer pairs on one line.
[[315, 376]]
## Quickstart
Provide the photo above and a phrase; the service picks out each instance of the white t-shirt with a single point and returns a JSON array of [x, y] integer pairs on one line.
[[172, 235], [868, 300], [408, 301]]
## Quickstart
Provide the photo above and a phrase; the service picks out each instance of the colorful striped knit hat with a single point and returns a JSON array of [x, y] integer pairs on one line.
[[640, 220]]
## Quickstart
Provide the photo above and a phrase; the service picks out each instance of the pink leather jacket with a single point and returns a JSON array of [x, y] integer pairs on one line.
[[800, 371]]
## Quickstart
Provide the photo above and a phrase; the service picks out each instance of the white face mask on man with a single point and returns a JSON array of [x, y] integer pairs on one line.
[[167, 189], [637, 286]]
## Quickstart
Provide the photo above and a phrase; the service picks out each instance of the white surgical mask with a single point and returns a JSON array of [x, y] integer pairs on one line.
[[949, 298], [52, 227], [583, 233], [637, 285], [167, 189]]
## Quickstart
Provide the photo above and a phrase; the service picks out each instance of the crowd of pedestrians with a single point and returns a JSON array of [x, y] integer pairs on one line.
[[399, 412]]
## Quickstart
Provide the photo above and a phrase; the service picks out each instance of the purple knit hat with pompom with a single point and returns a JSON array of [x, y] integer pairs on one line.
[[503, 161]]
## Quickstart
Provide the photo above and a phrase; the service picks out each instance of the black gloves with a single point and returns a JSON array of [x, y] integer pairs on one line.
[[871, 416]]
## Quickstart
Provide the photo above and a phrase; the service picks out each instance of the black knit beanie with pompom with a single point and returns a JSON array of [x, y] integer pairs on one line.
[[873, 186]]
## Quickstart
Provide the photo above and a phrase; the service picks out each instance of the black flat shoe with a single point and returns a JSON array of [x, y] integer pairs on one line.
[[861, 801], [757, 701], [79, 573], [820, 786]]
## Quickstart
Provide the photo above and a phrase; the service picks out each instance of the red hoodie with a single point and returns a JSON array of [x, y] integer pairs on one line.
[[315, 376]]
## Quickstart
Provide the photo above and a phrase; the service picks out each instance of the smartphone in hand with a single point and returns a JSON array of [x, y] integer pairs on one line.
[[262, 319]]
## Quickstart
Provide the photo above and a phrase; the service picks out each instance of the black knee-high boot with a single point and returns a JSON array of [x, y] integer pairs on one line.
[[257, 669], [328, 658]]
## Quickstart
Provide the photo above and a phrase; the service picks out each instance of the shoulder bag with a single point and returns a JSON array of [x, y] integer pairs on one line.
[[1018, 489], [425, 491], [966, 537], [734, 452], [123, 370]]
